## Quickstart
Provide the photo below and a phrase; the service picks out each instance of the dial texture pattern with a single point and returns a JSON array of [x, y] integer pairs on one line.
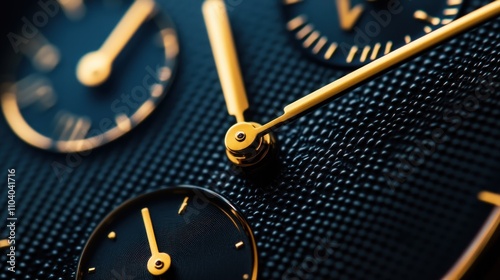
[[335, 209]]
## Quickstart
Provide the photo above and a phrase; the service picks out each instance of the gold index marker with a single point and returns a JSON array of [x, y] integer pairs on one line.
[[421, 15], [112, 235], [184, 204], [239, 245]]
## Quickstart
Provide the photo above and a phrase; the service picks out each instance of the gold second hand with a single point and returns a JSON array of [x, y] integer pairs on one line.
[[368, 71]]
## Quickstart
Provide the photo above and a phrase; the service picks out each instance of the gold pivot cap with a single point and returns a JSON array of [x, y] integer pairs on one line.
[[245, 147]]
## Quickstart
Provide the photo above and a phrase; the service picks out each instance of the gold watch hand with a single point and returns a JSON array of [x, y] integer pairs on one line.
[[159, 263], [243, 138], [226, 60], [94, 68], [347, 15]]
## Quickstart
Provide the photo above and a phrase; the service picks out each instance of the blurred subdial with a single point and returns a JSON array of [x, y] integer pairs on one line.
[[355, 32], [57, 98]]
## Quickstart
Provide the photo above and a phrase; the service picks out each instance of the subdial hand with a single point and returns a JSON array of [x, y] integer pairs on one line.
[[226, 60], [159, 262], [95, 67]]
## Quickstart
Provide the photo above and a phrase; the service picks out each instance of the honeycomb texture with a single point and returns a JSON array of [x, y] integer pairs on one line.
[[364, 191]]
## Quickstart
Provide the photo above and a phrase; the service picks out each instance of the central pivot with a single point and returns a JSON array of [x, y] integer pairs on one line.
[[240, 136], [159, 264], [245, 147]]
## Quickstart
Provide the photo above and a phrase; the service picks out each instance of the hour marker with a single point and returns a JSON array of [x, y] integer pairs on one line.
[[421, 15], [4, 243], [454, 2], [47, 57], [35, 90], [295, 23], [407, 39], [445, 21], [246, 277], [92, 270], [489, 197], [112, 235], [156, 90], [304, 31], [70, 127], [376, 49], [184, 204], [364, 54], [450, 12], [427, 29], [73, 9], [239, 245], [290, 2], [331, 49], [123, 122], [352, 53], [388, 47], [310, 40], [319, 45], [170, 43], [164, 74]]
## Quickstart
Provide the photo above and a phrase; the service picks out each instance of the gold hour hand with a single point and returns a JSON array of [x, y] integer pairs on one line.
[[226, 60], [159, 262], [94, 68], [243, 138]]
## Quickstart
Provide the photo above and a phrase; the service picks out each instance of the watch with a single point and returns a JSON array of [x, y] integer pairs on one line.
[[393, 177]]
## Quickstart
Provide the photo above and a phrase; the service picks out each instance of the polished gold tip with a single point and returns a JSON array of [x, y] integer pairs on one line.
[[4, 243], [245, 146], [489, 197]]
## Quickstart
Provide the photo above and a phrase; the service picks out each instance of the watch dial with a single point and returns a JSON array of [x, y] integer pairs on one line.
[[380, 183], [353, 33], [201, 233], [47, 100]]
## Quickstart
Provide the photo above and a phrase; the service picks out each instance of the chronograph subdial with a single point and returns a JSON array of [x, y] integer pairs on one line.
[[174, 233], [90, 74], [354, 32]]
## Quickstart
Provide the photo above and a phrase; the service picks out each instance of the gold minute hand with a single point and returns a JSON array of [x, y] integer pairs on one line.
[[236, 142], [226, 60]]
